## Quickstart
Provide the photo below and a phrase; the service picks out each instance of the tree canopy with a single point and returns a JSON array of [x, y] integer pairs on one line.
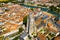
[[20, 30], [52, 8], [3, 0]]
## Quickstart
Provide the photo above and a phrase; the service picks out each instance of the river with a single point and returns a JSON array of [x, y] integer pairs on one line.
[[43, 9]]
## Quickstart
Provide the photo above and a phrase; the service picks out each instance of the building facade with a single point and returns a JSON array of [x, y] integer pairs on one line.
[[58, 1]]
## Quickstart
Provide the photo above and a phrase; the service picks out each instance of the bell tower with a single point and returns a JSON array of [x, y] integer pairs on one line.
[[31, 24]]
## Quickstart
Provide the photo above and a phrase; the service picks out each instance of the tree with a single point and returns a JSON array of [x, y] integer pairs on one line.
[[44, 5], [11, 0], [38, 4], [29, 37], [58, 10], [16, 38], [20, 29], [52, 8], [32, 9], [4, 1], [25, 20], [58, 5]]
